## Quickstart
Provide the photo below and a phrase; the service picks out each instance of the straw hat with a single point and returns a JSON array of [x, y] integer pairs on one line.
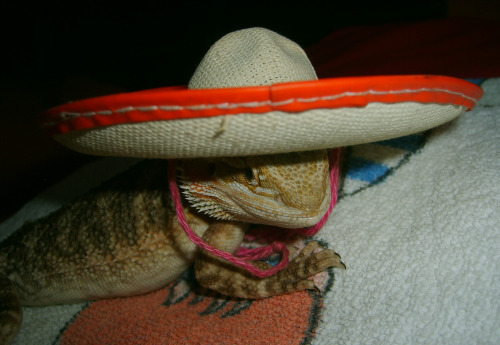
[[255, 92]]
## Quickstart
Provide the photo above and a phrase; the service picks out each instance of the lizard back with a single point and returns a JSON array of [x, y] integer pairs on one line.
[[112, 242]]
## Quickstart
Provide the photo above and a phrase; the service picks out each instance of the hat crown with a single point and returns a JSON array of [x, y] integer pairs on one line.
[[252, 57]]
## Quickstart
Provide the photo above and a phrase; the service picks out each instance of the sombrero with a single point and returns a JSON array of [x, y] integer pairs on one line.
[[255, 92]]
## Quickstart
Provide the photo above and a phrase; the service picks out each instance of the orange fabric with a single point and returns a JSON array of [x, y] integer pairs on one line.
[[180, 103], [178, 315]]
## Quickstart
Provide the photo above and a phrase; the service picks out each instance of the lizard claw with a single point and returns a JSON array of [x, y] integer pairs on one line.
[[311, 260], [314, 251], [230, 280]]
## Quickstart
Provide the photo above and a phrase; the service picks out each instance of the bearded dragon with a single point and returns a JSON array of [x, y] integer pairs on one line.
[[124, 239]]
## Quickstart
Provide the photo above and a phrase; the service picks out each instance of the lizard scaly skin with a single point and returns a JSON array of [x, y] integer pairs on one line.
[[123, 238]]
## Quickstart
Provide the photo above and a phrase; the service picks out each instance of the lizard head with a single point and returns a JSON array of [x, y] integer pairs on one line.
[[288, 190]]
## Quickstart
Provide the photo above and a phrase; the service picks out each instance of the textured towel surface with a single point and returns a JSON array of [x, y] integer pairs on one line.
[[417, 226], [422, 245]]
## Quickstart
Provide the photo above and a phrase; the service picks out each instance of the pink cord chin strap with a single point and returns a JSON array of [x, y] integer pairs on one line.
[[243, 255]]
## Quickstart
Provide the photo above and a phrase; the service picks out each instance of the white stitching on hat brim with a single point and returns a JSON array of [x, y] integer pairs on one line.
[[246, 105]]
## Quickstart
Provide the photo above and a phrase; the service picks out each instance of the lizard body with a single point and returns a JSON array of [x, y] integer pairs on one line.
[[123, 238]]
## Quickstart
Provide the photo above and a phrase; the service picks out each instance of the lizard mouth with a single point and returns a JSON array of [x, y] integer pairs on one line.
[[275, 213], [261, 190]]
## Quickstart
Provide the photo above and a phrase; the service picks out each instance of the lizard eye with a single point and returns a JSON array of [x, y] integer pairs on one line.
[[249, 174]]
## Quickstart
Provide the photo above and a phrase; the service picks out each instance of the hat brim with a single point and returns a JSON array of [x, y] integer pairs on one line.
[[176, 122]]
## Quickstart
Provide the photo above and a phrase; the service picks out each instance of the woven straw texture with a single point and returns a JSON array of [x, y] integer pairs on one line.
[[252, 57], [250, 134]]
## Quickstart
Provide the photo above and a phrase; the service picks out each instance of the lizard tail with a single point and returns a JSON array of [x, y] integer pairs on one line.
[[11, 313]]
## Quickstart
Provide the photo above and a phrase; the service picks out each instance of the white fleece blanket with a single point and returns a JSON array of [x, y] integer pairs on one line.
[[418, 226], [422, 248]]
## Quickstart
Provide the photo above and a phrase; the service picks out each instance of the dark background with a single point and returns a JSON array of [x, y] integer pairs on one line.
[[54, 54]]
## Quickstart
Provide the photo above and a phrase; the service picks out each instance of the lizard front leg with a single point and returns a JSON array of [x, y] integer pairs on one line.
[[223, 276]]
